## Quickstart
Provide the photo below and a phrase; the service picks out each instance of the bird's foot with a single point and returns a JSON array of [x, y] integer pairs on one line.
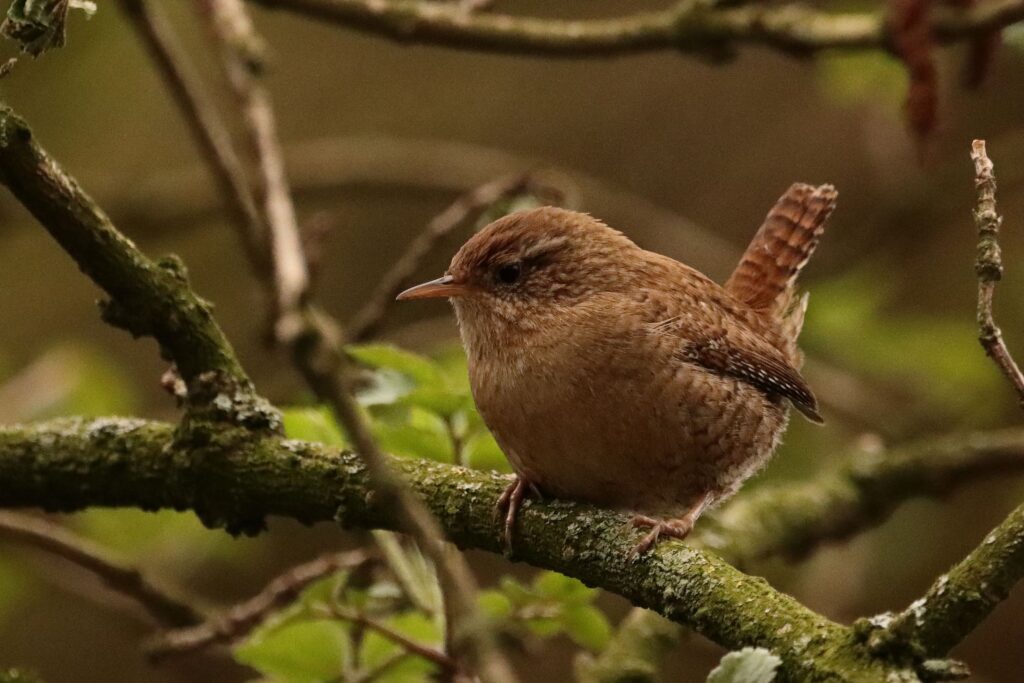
[[676, 528], [508, 504]]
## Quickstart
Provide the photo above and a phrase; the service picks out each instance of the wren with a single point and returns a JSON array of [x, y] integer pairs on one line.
[[621, 377]]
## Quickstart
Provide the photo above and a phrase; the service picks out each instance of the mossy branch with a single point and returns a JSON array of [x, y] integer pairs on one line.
[[690, 26], [234, 481], [147, 298]]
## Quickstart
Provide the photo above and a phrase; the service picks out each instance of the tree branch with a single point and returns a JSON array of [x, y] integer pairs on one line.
[[240, 620], [962, 598], [165, 609], [204, 123], [234, 481], [989, 268], [147, 298], [689, 26]]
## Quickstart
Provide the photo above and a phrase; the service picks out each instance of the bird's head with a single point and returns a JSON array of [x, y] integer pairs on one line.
[[521, 271]]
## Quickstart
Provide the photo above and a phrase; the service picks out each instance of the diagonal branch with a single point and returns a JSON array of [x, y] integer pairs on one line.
[[240, 620], [689, 25], [164, 608], [148, 298]]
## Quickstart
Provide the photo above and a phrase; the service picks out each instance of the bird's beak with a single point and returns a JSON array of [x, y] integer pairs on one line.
[[442, 287]]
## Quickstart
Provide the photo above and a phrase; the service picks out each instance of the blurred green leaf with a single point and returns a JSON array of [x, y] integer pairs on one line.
[[587, 626], [423, 437], [544, 627], [749, 665], [377, 649], [67, 380], [482, 452], [384, 387], [164, 539], [412, 570], [438, 399], [313, 424], [385, 356], [560, 587], [495, 605], [300, 652]]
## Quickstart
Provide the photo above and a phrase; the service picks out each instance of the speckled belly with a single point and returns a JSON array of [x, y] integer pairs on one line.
[[638, 440]]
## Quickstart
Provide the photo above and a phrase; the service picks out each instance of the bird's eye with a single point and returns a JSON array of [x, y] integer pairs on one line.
[[509, 273]]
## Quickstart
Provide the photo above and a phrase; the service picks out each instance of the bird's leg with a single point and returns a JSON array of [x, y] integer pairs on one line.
[[508, 506], [676, 528]]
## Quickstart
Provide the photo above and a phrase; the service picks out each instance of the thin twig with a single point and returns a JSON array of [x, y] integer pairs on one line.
[[118, 576], [203, 122], [989, 267], [240, 620], [692, 26], [315, 344], [233, 30], [367, 320], [428, 653]]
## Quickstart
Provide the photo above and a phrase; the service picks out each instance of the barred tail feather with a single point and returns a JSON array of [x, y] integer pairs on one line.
[[766, 275]]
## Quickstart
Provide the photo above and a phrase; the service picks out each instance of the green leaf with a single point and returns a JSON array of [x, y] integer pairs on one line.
[[377, 649], [482, 452], [587, 626], [384, 387], [313, 424], [426, 439], [544, 627], [301, 652], [438, 399], [749, 665], [557, 586], [495, 605], [386, 356], [412, 570]]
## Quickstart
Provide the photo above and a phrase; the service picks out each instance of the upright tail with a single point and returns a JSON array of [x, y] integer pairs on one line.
[[765, 278]]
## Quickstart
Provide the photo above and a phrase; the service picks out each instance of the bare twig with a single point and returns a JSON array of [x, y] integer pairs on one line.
[[315, 344], [366, 321], [240, 620], [688, 25], [118, 576], [446, 663], [233, 30], [204, 123], [989, 267]]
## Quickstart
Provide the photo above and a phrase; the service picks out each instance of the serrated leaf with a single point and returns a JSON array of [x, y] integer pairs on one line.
[[313, 424], [301, 652], [419, 368], [587, 626], [749, 665]]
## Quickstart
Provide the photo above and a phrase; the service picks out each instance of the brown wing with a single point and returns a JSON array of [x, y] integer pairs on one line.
[[741, 354], [765, 275]]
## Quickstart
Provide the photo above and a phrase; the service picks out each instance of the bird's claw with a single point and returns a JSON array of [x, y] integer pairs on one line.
[[676, 528], [508, 506]]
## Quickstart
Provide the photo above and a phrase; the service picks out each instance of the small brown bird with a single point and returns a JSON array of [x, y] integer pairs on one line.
[[620, 377]]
